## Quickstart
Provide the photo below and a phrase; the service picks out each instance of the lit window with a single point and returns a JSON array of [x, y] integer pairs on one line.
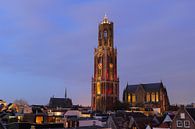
[[187, 124], [153, 97], [111, 71], [39, 119], [99, 71], [129, 98], [148, 97], [98, 88], [157, 98], [133, 98], [179, 123]]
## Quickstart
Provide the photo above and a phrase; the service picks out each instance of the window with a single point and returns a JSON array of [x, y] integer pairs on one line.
[[148, 97], [182, 115], [39, 119], [105, 34], [133, 98], [129, 98], [179, 123], [153, 97], [187, 124], [111, 71], [98, 88], [157, 98]]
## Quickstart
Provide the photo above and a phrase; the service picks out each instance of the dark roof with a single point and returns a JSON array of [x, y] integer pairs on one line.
[[87, 127], [191, 111], [60, 102], [132, 88], [152, 86], [149, 87], [122, 119]]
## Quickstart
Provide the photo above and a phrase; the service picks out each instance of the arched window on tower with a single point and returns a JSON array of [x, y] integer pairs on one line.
[[105, 36], [98, 88], [99, 60]]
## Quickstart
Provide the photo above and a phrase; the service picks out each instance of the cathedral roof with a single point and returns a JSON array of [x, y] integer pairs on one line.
[[132, 88], [149, 87], [60, 102]]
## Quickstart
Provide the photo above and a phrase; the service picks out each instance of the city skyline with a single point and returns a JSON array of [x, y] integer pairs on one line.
[[47, 46]]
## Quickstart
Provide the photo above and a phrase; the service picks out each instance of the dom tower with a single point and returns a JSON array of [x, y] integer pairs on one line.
[[105, 82]]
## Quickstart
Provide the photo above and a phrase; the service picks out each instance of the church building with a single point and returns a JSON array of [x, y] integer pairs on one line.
[[105, 82], [150, 95]]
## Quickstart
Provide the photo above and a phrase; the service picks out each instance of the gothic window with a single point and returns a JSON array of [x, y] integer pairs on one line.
[[99, 73], [133, 98], [111, 71], [105, 34], [98, 88], [157, 97], [153, 97], [129, 98], [148, 97]]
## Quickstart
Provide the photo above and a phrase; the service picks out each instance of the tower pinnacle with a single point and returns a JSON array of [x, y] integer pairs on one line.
[[105, 19]]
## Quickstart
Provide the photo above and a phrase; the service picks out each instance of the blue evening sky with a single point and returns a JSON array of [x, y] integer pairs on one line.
[[47, 46]]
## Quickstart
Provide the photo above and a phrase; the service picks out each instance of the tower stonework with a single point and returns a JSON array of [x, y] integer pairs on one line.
[[105, 82]]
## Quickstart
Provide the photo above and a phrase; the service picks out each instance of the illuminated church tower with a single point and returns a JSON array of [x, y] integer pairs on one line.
[[105, 82]]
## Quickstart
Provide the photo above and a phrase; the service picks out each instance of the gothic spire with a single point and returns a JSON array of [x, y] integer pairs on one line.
[[65, 93]]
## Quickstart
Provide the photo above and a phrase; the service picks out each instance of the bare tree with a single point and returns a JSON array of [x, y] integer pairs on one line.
[[21, 102]]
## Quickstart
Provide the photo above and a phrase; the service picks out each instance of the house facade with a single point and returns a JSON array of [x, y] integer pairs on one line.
[[184, 119]]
